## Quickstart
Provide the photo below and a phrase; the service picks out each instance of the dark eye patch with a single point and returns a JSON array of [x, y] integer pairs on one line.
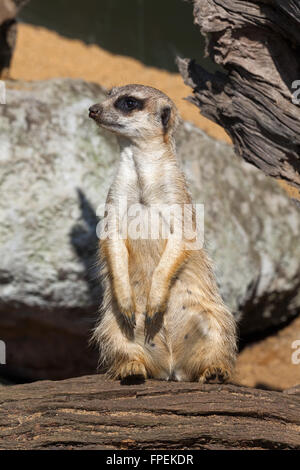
[[126, 104], [165, 117]]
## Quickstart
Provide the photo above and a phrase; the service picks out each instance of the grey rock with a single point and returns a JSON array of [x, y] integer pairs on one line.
[[55, 170]]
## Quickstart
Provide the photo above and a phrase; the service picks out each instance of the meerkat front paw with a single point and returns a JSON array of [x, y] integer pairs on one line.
[[127, 311], [155, 310], [128, 316], [132, 369], [214, 375], [153, 323]]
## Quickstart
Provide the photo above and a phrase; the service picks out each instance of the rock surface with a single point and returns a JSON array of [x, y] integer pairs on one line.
[[55, 169]]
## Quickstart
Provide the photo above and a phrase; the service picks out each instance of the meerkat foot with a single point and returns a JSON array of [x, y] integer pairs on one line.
[[132, 369], [214, 375]]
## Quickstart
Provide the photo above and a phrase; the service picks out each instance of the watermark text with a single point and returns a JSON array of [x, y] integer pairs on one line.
[[2, 92], [180, 222], [296, 353], [296, 93], [2, 352]]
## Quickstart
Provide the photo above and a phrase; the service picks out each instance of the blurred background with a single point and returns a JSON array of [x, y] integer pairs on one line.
[[152, 32], [110, 42], [56, 167]]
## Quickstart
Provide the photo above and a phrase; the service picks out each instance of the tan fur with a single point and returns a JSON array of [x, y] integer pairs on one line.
[[161, 315]]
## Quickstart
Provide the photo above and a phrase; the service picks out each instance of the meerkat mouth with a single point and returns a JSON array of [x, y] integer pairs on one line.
[[103, 123], [110, 124]]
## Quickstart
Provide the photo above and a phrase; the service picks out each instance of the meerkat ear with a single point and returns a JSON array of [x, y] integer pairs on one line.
[[165, 117]]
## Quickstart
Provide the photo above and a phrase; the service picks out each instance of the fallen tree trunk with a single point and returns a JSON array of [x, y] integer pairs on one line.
[[94, 413], [257, 100]]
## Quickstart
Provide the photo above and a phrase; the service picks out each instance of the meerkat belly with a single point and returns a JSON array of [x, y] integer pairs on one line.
[[144, 256], [145, 249]]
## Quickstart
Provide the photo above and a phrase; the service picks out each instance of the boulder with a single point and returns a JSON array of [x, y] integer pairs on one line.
[[55, 170]]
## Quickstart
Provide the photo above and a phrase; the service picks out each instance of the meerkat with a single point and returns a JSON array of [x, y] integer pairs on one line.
[[162, 315]]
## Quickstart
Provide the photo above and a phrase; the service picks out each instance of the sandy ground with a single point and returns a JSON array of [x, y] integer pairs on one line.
[[41, 54], [268, 363]]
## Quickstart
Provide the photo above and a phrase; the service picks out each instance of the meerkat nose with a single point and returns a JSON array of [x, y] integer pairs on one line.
[[95, 110]]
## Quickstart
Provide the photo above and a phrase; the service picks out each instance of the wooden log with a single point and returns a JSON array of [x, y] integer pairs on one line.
[[257, 98], [8, 32], [95, 413]]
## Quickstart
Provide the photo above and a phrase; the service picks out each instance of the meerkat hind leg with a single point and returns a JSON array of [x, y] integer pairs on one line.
[[204, 348], [217, 357]]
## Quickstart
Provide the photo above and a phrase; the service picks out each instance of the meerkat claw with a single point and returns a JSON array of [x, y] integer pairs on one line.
[[215, 375], [147, 331], [152, 326], [133, 320], [129, 320]]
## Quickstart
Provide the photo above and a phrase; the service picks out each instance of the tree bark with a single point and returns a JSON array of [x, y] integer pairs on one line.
[[257, 99], [8, 32], [95, 413]]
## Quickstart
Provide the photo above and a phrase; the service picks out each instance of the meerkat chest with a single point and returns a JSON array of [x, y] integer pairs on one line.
[[148, 186], [144, 190]]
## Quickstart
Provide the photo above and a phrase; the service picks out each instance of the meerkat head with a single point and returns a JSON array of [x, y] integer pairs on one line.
[[137, 112]]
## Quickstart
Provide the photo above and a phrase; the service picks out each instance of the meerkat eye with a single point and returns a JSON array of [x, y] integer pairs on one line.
[[128, 103]]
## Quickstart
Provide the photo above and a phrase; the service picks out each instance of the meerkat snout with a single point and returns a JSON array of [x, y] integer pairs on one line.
[[95, 111], [137, 112]]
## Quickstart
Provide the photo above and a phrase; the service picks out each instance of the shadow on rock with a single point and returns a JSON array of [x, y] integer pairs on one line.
[[85, 243]]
